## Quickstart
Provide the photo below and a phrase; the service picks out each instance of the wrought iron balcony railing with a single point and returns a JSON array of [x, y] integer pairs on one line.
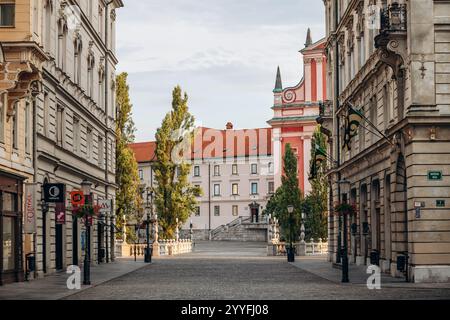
[[393, 18]]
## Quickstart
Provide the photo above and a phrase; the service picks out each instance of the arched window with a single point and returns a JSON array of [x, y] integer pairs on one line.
[[62, 44], [90, 72], [48, 24], [78, 47]]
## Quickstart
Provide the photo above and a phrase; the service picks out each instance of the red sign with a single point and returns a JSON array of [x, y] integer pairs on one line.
[[60, 213], [77, 198]]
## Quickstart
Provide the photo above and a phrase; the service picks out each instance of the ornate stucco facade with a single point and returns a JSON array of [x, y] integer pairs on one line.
[[296, 110], [73, 114], [389, 59]]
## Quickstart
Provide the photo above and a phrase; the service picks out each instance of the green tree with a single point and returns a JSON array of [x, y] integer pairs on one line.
[[128, 197], [287, 194], [316, 200], [175, 197]]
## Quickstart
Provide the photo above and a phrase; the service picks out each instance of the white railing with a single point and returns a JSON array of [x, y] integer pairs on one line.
[[164, 247], [310, 248]]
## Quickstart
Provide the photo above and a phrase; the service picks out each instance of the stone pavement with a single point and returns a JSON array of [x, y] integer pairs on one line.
[[239, 271], [319, 266], [54, 287]]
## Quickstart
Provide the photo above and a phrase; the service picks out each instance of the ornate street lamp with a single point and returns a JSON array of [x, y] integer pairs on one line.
[[290, 253], [86, 188], [148, 250]]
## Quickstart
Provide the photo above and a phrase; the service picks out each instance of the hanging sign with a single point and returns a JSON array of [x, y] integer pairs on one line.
[[77, 198], [60, 213], [30, 208], [105, 205], [54, 193]]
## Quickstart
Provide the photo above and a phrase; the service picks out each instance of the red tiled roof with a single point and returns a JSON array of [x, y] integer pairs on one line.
[[144, 151], [214, 143]]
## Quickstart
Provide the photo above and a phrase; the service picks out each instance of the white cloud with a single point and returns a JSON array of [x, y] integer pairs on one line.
[[197, 43]]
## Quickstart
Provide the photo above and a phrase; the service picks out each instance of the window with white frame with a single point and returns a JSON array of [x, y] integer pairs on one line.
[[271, 187], [216, 170], [235, 189], [197, 171], [217, 211], [254, 188], [235, 169], [217, 190], [235, 211], [254, 168]]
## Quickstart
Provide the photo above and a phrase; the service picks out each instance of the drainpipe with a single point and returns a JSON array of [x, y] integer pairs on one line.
[[209, 198]]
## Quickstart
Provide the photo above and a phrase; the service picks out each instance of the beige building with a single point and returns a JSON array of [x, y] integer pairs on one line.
[[72, 136], [393, 66]]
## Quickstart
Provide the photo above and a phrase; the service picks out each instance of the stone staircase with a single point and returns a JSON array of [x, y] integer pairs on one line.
[[241, 229]]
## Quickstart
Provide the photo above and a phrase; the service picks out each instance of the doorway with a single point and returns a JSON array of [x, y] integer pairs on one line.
[[59, 247]]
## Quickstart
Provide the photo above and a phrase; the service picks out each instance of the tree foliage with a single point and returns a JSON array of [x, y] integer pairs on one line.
[[175, 196], [288, 193], [316, 200], [128, 198]]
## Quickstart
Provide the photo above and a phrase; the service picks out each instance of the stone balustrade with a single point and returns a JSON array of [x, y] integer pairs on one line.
[[163, 247], [306, 248]]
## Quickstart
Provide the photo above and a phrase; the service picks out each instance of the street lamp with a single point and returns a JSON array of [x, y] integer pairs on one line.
[[148, 251], [345, 189], [290, 253], [86, 188]]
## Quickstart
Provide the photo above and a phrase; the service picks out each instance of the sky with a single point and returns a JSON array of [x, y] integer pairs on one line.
[[223, 53]]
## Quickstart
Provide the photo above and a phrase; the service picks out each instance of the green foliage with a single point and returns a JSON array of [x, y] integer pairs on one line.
[[316, 200], [175, 197], [128, 198], [287, 194]]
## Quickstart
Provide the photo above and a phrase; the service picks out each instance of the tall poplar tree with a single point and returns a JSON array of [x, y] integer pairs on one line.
[[316, 200], [287, 194], [128, 198], [175, 196]]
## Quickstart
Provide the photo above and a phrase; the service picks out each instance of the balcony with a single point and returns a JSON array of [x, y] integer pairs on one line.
[[394, 18]]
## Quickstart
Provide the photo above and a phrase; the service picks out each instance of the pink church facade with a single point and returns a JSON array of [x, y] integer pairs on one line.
[[296, 110]]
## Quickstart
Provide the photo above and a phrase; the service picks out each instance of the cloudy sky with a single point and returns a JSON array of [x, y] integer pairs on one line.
[[224, 53]]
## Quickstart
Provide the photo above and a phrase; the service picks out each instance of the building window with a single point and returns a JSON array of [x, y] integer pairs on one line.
[[76, 134], [77, 60], [271, 187], [141, 174], [88, 142], [2, 120], [197, 211], [254, 188], [270, 167], [217, 211], [7, 13], [373, 114], [28, 128], [216, 170], [235, 189], [101, 152], [46, 113], [235, 211], [197, 171], [59, 125], [217, 190], [14, 126], [235, 169], [254, 169], [62, 46], [362, 134]]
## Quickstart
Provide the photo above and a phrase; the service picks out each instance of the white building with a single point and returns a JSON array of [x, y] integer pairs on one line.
[[234, 168]]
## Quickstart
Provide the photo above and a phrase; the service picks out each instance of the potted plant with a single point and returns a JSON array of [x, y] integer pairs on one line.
[[345, 209]]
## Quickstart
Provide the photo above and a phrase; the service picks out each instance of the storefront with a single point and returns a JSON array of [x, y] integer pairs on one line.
[[11, 266]]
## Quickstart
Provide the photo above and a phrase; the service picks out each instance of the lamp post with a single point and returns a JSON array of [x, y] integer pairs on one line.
[[290, 254], [345, 189], [86, 188], [148, 251]]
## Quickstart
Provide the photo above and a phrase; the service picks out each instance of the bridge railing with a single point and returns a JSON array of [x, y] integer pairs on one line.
[[308, 248], [162, 248]]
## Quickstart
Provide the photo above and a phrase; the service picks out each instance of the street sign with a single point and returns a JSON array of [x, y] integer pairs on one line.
[[60, 213], [77, 198], [435, 175], [105, 205], [440, 203], [54, 192], [30, 208]]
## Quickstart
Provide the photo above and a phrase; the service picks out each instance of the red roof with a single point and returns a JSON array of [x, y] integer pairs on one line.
[[214, 143], [144, 151]]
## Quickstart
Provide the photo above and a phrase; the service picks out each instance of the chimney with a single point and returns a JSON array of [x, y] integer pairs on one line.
[[230, 126]]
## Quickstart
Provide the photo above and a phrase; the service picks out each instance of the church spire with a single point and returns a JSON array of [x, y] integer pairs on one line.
[[278, 83], [308, 39]]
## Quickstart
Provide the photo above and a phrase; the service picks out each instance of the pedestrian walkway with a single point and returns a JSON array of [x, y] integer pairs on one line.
[[319, 266], [54, 287]]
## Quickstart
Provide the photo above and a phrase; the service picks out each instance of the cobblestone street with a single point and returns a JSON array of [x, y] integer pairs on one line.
[[241, 271]]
